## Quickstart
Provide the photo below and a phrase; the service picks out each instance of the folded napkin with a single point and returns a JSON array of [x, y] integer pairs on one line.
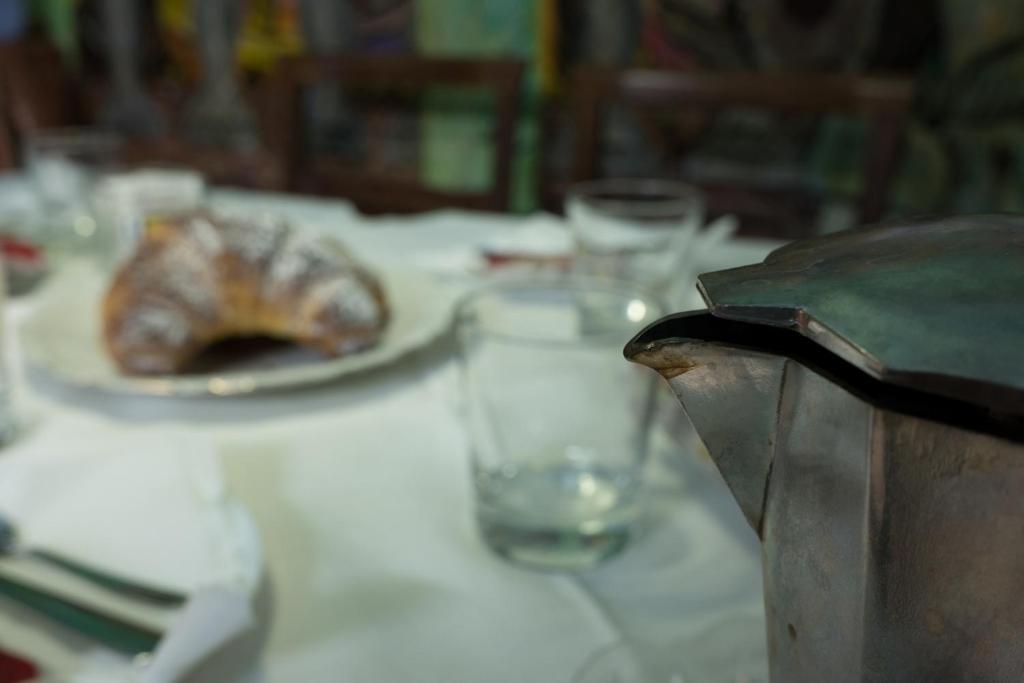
[[124, 201], [146, 505], [539, 236]]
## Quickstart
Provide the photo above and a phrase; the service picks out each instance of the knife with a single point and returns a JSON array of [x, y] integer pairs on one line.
[[115, 632]]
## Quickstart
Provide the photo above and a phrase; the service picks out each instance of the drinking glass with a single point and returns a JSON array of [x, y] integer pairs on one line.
[[558, 422], [62, 166], [635, 230]]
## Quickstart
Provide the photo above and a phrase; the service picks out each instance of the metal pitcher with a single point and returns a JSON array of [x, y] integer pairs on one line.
[[862, 394]]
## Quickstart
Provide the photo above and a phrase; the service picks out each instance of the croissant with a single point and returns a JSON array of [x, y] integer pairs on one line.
[[198, 279]]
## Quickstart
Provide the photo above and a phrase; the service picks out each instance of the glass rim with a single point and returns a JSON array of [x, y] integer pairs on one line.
[[628, 291], [638, 197]]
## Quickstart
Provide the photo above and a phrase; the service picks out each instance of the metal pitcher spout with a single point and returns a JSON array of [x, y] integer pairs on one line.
[[730, 393], [862, 394]]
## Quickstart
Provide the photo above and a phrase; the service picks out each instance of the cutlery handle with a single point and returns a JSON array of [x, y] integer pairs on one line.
[[113, 632], [116, 584]]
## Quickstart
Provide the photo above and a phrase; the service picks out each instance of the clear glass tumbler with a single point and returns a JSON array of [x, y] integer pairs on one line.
[[63, 166], [636, 230], [558, 421]]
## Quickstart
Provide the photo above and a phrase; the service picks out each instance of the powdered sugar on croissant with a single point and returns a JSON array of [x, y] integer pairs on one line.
[[197, 279]]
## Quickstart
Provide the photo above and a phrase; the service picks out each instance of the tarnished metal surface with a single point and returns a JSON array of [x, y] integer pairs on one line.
[[891, 510], [946, 548], [815, 531], [712, 383], [937, 306], [893, 546]]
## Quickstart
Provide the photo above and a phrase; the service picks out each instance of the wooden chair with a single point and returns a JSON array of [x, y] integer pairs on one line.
[[39, 94], [386, 193], [36, 94], [882, 101], [256, 168], [260, 168]]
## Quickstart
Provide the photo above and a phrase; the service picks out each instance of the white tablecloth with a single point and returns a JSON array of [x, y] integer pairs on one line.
[[361, 493]]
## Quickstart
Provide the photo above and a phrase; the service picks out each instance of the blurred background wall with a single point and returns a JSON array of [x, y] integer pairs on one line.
[[962, 147]]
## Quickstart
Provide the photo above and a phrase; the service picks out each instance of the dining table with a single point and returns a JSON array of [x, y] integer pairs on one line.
[[360, 489]]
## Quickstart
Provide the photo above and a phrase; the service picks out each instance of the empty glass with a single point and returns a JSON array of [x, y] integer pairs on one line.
[[557, 420], [63, 165], [638, 231]]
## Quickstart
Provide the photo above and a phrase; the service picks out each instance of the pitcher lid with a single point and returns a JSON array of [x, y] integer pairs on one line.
[[936, 306]]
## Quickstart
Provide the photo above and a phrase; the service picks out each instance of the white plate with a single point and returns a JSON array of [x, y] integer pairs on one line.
[[62, 336]]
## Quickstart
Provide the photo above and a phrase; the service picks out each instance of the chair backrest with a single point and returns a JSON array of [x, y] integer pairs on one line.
[[376, 193], [882, 101], [38, 93], [257, 168], [35, 94]]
